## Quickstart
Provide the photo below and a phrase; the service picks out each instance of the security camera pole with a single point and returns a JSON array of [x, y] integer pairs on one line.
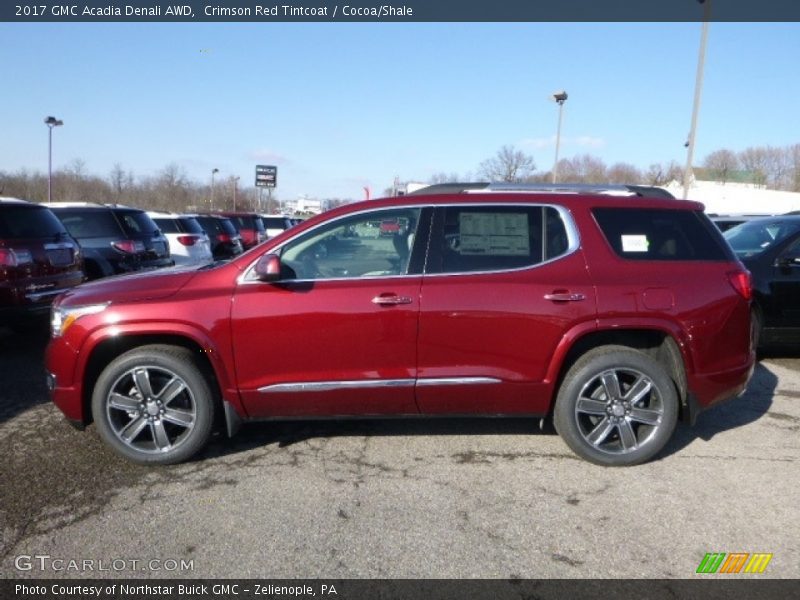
[[560, 98], [50, 122]]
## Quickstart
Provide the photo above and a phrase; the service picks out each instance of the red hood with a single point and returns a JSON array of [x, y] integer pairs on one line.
[[152, 285]]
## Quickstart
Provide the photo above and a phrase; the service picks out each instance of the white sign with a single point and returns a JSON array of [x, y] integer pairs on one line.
[[635, 243], [494, 234]]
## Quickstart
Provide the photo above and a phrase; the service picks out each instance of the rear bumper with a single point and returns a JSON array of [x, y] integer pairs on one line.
[[709, 389], [34, 296]]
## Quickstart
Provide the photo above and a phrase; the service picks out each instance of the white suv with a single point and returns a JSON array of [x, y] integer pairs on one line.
[[188, 243]]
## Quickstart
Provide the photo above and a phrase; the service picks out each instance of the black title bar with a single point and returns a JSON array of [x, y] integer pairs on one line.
[[401, 11]]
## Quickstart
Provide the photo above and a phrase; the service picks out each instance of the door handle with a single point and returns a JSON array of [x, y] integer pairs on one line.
[[564, 297], [390, 300]]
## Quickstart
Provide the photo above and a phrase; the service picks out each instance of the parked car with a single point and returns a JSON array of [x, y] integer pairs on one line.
[[188, 242], [225, 240], [38, 260], [249, 226], [725, 222], [614, 315], [770, 249], [276, 224], [115, 239]]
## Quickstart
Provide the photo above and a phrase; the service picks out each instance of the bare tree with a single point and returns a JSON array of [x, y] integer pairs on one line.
[[623, 173], [443, 177], [756, 161], [582, 169], [721, 164], [509, 165], [663, 174]]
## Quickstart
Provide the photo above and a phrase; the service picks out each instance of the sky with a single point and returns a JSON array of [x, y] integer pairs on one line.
[[339, 106]]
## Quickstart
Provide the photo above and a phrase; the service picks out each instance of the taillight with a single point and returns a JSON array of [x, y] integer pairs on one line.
[[14, 258], [742, 283], [224, 238], [188, 240], [129, 246]]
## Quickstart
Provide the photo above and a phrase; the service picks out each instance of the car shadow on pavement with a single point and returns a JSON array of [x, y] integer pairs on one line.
[[22, 373], [746, 409], [750, 407], [288, 433]]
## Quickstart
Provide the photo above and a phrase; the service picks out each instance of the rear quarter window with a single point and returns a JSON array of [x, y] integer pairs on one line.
[[660, 234], [28, 222], [90, 223]]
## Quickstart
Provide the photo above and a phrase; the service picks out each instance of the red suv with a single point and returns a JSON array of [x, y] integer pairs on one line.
[[38, 260], [250, 227], [614, 315]]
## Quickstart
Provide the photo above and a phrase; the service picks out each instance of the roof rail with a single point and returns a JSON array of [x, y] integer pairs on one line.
[[87, 204], [549, 188]]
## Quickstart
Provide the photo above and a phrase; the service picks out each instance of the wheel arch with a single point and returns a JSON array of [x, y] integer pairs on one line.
[[660, 343], [106, 348]]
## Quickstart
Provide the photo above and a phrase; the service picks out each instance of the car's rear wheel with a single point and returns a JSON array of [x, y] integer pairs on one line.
[[154, 405], [616, 407]]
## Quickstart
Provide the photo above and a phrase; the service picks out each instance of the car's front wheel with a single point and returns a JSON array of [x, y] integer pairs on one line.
[[154, 405], [616, 407]]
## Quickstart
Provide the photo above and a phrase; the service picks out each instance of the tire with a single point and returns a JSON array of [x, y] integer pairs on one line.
[[175, 422], [631, 426]]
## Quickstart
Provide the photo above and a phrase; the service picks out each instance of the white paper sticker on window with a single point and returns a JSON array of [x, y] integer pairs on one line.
[[635, 243], [494, 234]]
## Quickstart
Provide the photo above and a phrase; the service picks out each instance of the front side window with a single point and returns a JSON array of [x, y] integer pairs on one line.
[[354, 247], [495, 238]]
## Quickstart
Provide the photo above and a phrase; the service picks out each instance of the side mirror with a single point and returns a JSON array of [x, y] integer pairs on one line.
[[268, 268]]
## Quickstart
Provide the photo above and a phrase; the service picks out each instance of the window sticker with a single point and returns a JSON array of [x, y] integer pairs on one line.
[[635, 243], [494, 234]]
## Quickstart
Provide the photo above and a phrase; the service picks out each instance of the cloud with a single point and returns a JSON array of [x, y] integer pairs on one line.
[[268, 156]]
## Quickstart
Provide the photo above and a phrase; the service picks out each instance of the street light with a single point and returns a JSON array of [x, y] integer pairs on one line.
[[698, 88], [560, 98], [50, 122], [235, 181], [213, 172]]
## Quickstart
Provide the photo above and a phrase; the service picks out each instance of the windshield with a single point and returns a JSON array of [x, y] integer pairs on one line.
[[754, 237]]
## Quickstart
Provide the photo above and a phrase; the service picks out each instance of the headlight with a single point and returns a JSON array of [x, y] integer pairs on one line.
[[63, 316]]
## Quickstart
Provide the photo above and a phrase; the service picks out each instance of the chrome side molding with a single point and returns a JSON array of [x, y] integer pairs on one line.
[[325, 386]]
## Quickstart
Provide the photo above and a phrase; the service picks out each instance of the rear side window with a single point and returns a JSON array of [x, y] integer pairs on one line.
[[275, 222], [167, 225], [495, 238], [136, 222], [190, 225], [228, 227], [660, 234], [28, 222], [90, 223]]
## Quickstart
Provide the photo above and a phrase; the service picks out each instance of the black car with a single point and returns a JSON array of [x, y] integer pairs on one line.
[[115, 239], [770, 249], [225, 239], [38, 260]]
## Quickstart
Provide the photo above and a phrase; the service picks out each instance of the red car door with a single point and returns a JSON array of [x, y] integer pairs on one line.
[[338, 334], [502, 285]]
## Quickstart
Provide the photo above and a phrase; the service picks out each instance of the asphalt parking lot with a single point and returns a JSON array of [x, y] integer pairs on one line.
[[444, 498]]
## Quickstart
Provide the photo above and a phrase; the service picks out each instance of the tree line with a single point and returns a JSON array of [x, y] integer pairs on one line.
[[775, 168], [172, 190]]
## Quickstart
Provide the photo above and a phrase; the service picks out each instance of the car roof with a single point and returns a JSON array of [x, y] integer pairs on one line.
[[553, 188], [568, 200], [16, 201]]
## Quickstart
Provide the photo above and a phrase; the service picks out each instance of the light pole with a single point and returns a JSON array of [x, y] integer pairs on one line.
[[235, 182], [698, 88], [560, 98], [213, 172], [50, 122]]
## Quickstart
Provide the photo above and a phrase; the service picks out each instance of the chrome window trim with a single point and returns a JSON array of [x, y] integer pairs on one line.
[[325, 386], [573, 238]]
